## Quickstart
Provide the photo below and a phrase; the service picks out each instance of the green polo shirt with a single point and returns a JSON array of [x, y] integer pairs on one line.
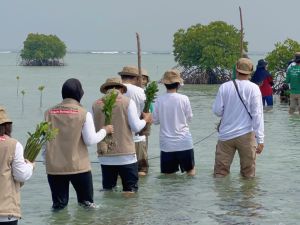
[[293, 78]]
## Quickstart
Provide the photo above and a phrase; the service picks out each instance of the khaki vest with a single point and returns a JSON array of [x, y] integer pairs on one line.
[[9, 188], [67, 153], [122, 136]]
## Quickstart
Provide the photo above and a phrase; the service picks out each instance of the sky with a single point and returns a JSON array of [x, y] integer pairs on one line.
[[98, 25]]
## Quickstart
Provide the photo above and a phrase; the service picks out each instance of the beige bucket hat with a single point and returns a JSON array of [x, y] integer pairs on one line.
[[3, 116], [114, 81], [244, 66], [129, 71], [171, 76]]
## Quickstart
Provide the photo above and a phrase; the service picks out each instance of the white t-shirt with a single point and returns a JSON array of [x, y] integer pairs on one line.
[[235, 119], [137, 94], [173, 112]]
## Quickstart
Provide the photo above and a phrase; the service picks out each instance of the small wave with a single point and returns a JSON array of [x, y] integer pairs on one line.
[[105, 52], [5, 52]]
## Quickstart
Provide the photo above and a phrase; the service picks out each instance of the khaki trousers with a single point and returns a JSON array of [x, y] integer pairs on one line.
[[142, 156], [294, 103], [225, 151]]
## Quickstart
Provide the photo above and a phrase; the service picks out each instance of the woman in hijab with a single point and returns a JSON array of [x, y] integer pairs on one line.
[[66, 157], [264, 80]]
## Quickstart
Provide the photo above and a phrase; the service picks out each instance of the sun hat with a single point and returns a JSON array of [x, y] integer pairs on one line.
[[261, 63], [129, 71], [171, 76], [114, 81], [3, 116], [244, 66]]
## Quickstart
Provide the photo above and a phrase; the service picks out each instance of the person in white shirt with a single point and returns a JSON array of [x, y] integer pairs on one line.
[[242, 124], [130, 78], [14, 170], [173, 112]]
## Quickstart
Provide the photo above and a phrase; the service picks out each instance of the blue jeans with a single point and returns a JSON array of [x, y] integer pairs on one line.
[[268, 100]]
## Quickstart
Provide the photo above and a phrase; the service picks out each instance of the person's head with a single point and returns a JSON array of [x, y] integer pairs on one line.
[[171, 79], [261, 64], [130, 74], [72, 89], [297, 58], [145, 78], [244, 67], [113, 83], [5, 123]]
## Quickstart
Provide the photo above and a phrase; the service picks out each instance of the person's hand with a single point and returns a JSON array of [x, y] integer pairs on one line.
[[109, 129], [259, 148], [147, 117], [31, 163]]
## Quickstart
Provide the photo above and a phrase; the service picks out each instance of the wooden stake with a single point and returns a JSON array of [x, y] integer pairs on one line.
[[242, 33], [139, 59]]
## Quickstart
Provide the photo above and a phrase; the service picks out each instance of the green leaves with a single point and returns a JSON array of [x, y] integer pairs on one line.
[[279, 58], [109, 101], [207, 47], [42, 134], [150, 93], [41, 48]]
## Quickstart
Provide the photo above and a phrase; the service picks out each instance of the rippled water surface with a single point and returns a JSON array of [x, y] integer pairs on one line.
[[271, 198]]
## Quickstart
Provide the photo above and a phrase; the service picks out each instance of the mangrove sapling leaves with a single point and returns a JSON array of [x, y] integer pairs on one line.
[[36, 140]]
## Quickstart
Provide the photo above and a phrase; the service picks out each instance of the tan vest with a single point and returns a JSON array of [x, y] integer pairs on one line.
[[9, 188], [122, 136], [67, 153]]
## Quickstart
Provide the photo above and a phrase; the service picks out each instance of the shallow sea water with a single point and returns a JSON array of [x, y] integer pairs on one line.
[[270, 198]]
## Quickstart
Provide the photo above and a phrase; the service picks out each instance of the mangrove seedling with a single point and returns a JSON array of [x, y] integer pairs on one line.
[[41, 88]]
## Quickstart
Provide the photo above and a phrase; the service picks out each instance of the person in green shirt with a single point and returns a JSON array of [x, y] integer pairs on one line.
[[293, 78]]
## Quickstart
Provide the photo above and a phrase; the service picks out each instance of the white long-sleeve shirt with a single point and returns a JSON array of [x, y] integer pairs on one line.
[[136, 125], [137, 94], [173, 112], [235, 119], [21, 170]]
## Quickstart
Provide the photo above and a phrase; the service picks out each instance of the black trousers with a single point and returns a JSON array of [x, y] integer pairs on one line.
[[59, 185], [15, 222]]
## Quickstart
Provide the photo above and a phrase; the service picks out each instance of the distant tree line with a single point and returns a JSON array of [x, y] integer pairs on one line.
[[43, 50]]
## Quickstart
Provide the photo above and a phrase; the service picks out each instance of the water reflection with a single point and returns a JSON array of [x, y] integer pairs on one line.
[[237, 201]]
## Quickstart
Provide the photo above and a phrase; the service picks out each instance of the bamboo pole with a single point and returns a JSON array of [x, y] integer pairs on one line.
[[242, 33], [139, 59]]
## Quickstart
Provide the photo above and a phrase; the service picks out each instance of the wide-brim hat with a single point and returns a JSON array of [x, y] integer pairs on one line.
[[171, 77], [261, 63], [3, 116], [130, 71], [114, 81], [244, 66]]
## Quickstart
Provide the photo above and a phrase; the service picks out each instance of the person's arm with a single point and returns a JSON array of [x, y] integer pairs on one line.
[[188, 110], [156, 113], [256, 110], [135, 123], [89, 134], [288, 77], [21, 169], [218, 106]]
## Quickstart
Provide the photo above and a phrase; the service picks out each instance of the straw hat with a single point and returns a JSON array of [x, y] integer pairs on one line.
[[144, 72], [171, 76], [3, 116], [114, 81], [129, 71], [244, 66]]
